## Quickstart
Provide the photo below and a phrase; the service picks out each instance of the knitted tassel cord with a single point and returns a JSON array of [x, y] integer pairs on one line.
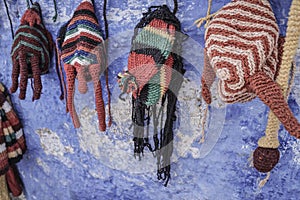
[[4, 195], [83, 52], [270, 140], [31, 52]]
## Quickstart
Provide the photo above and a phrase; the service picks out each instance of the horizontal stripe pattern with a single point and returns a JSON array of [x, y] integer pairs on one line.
[[82, 37], [150, 60], [33, 40], [241, 40], [12, 140]]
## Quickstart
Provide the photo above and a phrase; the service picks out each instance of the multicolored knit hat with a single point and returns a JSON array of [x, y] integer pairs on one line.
[[84, 57], [12, 141], [154, 73], [243, 49], [31, 52]]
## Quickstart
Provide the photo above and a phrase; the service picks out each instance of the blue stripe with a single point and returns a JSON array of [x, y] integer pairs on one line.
[[85, 22]]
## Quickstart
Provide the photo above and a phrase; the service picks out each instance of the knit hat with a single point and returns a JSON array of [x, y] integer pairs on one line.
[[244, 51], [12, 141], [154, 73], [242, 47], [31, 52], [83, 55]]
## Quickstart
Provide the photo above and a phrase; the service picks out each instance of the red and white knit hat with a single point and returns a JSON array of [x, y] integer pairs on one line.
[[244, 50]]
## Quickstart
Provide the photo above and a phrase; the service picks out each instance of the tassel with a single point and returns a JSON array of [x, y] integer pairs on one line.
[[154, 74], [31, 52]]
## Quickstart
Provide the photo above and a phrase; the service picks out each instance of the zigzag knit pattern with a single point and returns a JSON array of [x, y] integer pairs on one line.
[[31, 52], [82, 37], [83, 54], [12, 141]]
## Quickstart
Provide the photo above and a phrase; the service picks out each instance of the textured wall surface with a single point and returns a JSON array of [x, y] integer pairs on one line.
[[67, 164]]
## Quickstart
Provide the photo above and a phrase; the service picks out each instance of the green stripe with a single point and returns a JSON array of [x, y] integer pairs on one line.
[[82, 58], [31, 46], [154, 91], [155, 40], [37, 30], [33, 37], [83, 26]]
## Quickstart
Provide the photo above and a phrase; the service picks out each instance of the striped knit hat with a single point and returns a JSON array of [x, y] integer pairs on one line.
[[12, 141], [31, 52], [83, 55], [154, 73], [243, 49]]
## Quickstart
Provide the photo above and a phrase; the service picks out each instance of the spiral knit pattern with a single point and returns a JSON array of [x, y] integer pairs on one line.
[[31, 52], [82, 51], [242, 46], [12, 141], [241, 40]]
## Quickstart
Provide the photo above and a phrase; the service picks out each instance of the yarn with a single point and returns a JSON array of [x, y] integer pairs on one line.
[[270, 140], [154, 74], [4, 190], [265, 159], [12, 143], [84, 56], [31, 52], [242, 47]]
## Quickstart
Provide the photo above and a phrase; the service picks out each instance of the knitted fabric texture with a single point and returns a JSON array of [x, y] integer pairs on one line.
[[270, 140], [4, 195], [242, 48], [154, 74], [83, 55], [31, 52], [12, 141]]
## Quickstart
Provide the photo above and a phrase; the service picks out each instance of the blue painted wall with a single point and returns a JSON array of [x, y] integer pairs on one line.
[[67, 164]]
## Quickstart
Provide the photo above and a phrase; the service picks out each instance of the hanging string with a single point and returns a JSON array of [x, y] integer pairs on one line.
[[55, 10], [207, 18], [10, 22], [28, 3], [175, 7], [106, 62]]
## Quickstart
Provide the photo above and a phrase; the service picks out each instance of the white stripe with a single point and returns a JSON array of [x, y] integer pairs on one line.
[[239, 96], [2, 147], [234, 62], [6, 107], [255, 6], [82, 62], [236, 50], [233, 12], [19, 134], [220, 22], [83, 30], [271, 40]]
